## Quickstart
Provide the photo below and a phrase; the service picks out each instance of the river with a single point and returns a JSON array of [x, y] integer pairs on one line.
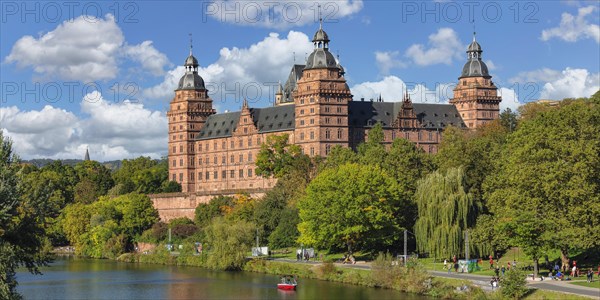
[[71, 278]]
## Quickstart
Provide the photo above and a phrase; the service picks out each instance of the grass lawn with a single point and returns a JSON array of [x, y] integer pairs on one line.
[[544, 295], [593, 284]]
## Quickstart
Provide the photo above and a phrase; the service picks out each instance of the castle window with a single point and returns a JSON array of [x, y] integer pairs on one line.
[[174, 163], [181, 162], [223, 174], [302, 136], [301, 101], [312, 110], [207, 175], [192, 176], [245, 130], [231, 159], [430, 137], [207, 160], [430, 149], [199, 176], [180, 148], [420, 136], [174, 148], [241, 158], [339, 109], [312, 135], [301, 122], [180, 127], [215, 159], [339, 121], [223, 144], [180, 177], [302, 111], [327, 149], [192, 162], [249, 142], [393, 135], [464, 94], [174, 177], [215, 175], [326, 109], [340, 134], [258, 140], [327, 134], [231, 173], [250, 156], [181, 136], [223, 160], [312, 121], [241, 143], [200, 161], [464, 82], [231, 145], [326, 120], [312, 151], [178, 107], [215, 146], [312, 100], [174, 137], [249, 172], [241, 173], [407, 135]]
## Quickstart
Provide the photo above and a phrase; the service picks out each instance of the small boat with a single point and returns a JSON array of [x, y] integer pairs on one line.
[[288, 283]]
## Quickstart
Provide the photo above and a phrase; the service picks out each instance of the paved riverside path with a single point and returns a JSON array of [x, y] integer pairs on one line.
[[482, 281]]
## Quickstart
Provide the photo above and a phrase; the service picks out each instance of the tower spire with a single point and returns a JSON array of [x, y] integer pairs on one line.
[[191, 44], [87, 154], [320, 17]]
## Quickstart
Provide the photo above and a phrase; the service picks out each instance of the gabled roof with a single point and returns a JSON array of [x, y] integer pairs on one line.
[[434, 116], [269, 119]]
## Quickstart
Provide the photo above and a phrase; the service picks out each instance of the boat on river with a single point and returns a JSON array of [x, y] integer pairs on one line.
[[288, 283]]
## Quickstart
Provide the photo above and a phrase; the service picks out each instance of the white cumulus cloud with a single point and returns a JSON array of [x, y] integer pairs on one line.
[[110, 130], [280, 14], [392, 89], [240, 72], [387, 60], [85, 49], [443, 47], [572, 83], [573, 28]]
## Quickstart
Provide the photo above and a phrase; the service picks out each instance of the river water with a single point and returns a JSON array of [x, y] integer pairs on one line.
[[70, 278]]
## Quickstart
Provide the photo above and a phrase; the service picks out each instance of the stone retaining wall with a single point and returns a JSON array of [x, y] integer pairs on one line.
[[177, 205]]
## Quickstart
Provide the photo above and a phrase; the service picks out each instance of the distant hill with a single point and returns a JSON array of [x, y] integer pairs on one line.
[[40, 162]]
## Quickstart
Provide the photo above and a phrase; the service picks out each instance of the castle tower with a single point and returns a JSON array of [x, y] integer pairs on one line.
[[187, 113], [475, 96], [321, 101]]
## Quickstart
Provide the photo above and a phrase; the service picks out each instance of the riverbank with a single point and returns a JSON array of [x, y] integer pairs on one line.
[[422, 283]]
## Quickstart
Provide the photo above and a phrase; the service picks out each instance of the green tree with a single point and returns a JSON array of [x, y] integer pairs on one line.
[[22, 231], [229, 243], [276, 156], [138, 213], [550, 168], [445, 212], [286, 233], [373, 152], [508, 119], [353, 206], [98, 179], [513, 284], [217, 207]]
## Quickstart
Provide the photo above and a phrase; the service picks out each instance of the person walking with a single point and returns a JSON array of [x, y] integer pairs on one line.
[[503, 270], [491, 262], [497, 271], [445, 264]]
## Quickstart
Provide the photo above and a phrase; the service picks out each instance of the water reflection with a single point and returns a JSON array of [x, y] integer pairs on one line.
[[103, 279]]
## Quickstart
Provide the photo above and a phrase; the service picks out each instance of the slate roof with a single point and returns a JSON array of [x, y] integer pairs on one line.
[[269, 119], [434, 116], [361, 114], [290, 84]]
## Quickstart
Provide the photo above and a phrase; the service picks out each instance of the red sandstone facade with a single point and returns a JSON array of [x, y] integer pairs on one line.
[[212, 154]]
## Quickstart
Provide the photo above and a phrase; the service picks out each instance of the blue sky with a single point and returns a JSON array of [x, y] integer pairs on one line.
[[99, 75]]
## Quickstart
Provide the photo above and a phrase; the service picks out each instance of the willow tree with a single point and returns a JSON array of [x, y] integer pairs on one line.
[[445, 211]]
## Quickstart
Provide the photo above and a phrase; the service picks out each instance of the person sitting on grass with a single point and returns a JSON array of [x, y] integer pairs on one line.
[[559, 275]]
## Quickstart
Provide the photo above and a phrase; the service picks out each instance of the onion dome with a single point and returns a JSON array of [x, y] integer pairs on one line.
[[191, 80], [475, 67], [321, 57]]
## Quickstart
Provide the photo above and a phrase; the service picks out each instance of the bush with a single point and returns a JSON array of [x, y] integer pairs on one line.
[[513, 284], [389, 273], [327, 271]]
